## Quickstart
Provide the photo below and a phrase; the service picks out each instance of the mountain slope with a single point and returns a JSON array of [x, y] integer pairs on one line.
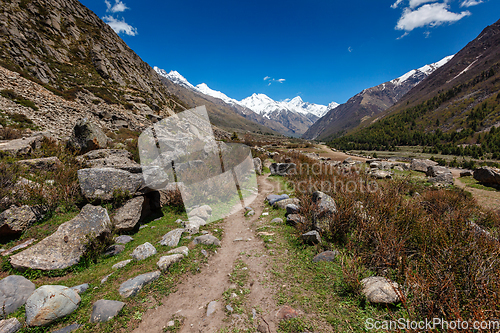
[[453, 110], [368, 104]]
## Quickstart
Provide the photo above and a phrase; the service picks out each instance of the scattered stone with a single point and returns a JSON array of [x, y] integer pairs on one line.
[[398, 168], [68, 329], [121, 264], [421, 165], [65, 247], [101, 183], [250, 213], [311, 237], [172, 238], [272, 198], [443, 179], [44, 163], [204, 232], [21, 147], [166, 261], [80, 289], [487, 175], [87, 136], [205, 253], [257, 163], [14, 291], [15, 220], [11, 325], [132, 286], [105, 279], [110, 158], [171, 323], [104, 310], [128, 216], [143, 251], [229, 308], [326, 256], [381, 174], [282, 169], [466, 173], [254, 314], [277, 220], [283, 203], [18, 247], [436, 170], [123, 239], [295, 219], [211, 308], [292, 209], [49, 303], [113, 250], [326, 204], [286, 312], [378, 289], [182, 250], [191, 229], [206, 240], [202, 212], [262, 329]]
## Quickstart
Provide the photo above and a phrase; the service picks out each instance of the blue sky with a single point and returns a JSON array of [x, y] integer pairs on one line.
[[323, 51]]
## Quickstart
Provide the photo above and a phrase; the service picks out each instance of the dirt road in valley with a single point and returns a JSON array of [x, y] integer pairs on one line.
[[193, 294]]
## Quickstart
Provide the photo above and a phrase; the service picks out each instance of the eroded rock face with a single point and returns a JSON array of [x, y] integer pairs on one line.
[[87, 136], [65, 247], [49, 303], [14, 291], [487, 175]]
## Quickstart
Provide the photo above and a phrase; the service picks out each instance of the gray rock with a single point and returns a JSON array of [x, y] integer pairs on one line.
[[191, 228], [110, 158], [105, 279], [250, 213], [292, 209], [466, 173], [311, 237], [381, 290], [104, 310], [211, 308], [206, 240], [18, 247], [295, 220], [436, 170], [11, 325], [128, 216], [87, 136], [101, 183], [21, 147], [121, 264], [326, 256], [172, 238], [326, 204], [443, 179], [131, 287], [229, 308], [65, 247], [44, 163], [81, 288], [381, 174], [68, 329], [113, 250], [166, 261], [257, 164], [49, 303], [195, 220], [204, 252], [421, 165], [277, 220], [123, 239], [182, 250], [487, 175], [15, 220], [272, 198], [202, 212], [143, 251], [14, 291], [282, 169], [283, 203]]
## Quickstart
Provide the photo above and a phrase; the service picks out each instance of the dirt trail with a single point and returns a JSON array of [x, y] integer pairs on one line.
[[486, 199], [192, 296]]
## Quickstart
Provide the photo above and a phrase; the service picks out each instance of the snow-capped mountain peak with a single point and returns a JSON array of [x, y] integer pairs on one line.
[[205, 89], [427, 70], [175, 77]]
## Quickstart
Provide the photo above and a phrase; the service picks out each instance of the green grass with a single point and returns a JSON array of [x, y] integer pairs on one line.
[[471, 182]]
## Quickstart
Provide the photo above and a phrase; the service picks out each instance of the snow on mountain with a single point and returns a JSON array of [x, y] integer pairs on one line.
[[204, 89], [175, 77], [264, 105], [427, 70]]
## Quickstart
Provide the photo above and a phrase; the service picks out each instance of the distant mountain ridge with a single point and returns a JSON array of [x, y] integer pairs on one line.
[[369, 104], [290, 117]]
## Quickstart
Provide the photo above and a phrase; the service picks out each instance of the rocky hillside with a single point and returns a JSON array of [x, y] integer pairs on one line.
[[366, 106]]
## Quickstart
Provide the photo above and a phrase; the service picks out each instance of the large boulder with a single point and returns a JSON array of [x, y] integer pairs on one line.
[[49, 303], [381, 290], [45, 163], [101, 183], [128, 216], [443, 179], [487, 175], [283, 203], [104, 310], [272, 198], [65, 247], [436, 170], [87, 136], [132, 286], [22, 147], [257, 163], [380, 174], [14, 291], [110, 158], [282, 169], [325, 203], [15, 220], [421, 165]]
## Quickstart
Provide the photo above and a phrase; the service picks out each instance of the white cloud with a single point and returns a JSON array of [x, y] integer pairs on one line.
[[416, 3], [120, 26], [349, 49], [118, 7], [428, 15], [281, 80], [267, 78], [403, 35], [470, 3], [271, 80], [396, 4]]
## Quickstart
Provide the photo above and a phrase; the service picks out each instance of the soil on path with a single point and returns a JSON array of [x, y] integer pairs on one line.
[[193, 295]]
